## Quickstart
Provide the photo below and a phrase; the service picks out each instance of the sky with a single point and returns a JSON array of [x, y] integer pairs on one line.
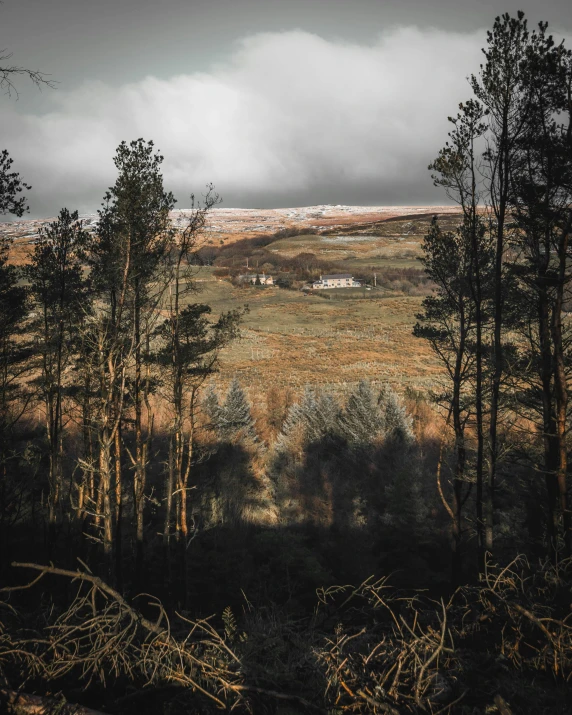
[[276, 102]]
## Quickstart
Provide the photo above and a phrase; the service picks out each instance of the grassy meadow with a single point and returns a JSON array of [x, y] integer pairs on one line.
[[332, 338], [291, 339]]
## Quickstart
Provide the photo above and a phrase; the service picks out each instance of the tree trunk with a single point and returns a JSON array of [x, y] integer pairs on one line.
[[489, 490], [118, 505], [54, 484], [561, 394], [500, 196], [549, 440], [107, 513], [167, 575], [139, 477], [457, 526], [183, 475], [477, 296]]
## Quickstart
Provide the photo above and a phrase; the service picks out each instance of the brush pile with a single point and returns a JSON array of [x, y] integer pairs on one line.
[[504, 645]]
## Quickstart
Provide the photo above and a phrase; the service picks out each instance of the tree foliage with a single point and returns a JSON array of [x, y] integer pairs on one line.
[[234, 415], [11, 188], [362, 420]]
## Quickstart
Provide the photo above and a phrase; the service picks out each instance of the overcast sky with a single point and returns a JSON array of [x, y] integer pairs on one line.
[[277, 102]]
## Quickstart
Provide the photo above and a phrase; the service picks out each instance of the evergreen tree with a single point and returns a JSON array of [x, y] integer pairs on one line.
[[361, 420], [133, 240], [506, 102], [211, 407], [448, 322], [293, 424], [515, 262], [322, 421], [396, 423], [13, 300], [59, 292], [542, 200], [189, 349], [457, 171], [13, 399], [234, 416], [312, 419], [11, 186], [13, 351]]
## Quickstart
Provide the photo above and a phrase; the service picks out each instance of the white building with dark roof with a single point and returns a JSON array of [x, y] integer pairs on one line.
[[336, 280]]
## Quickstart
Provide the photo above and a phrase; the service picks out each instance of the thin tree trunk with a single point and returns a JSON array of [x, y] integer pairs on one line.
[[548, 420], [500, 212], [118, 505], [477, 296], [168, 514], [107, 513], [184, 471], [53, 496], [139, 478], [457, 526], [561, 394]]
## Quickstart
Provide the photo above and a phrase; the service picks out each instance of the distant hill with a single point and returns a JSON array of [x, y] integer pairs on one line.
[[229, 224]]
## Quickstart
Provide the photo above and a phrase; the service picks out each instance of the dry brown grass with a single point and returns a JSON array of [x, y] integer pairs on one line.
[[291, 340], [333, 344]]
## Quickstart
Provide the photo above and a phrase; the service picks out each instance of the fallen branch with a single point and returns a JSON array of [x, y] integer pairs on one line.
[[114, 644], [81, 576], [384, 707], [435, 654]]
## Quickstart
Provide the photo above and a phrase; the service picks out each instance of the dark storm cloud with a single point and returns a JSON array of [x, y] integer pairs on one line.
[[124, 40], [348, 110]]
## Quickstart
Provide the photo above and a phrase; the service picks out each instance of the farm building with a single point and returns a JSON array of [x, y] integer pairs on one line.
[[336, 280], [262, 277]]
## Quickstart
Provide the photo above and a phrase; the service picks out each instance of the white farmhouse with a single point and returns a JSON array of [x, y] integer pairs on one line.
[[336, 280]]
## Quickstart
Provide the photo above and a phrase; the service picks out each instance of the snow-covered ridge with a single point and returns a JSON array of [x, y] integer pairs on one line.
[[236, 222]]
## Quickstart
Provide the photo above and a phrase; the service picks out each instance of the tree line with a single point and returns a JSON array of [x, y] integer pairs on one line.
[[83, 325], [111, 448], [498, 318]]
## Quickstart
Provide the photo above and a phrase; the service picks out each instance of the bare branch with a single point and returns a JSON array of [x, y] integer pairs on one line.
[[8, 74]]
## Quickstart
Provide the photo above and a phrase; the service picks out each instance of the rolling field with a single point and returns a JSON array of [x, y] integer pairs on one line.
[[357, 250], [290, 339]]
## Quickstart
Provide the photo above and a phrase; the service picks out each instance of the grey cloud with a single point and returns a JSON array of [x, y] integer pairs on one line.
[[290, 118]]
